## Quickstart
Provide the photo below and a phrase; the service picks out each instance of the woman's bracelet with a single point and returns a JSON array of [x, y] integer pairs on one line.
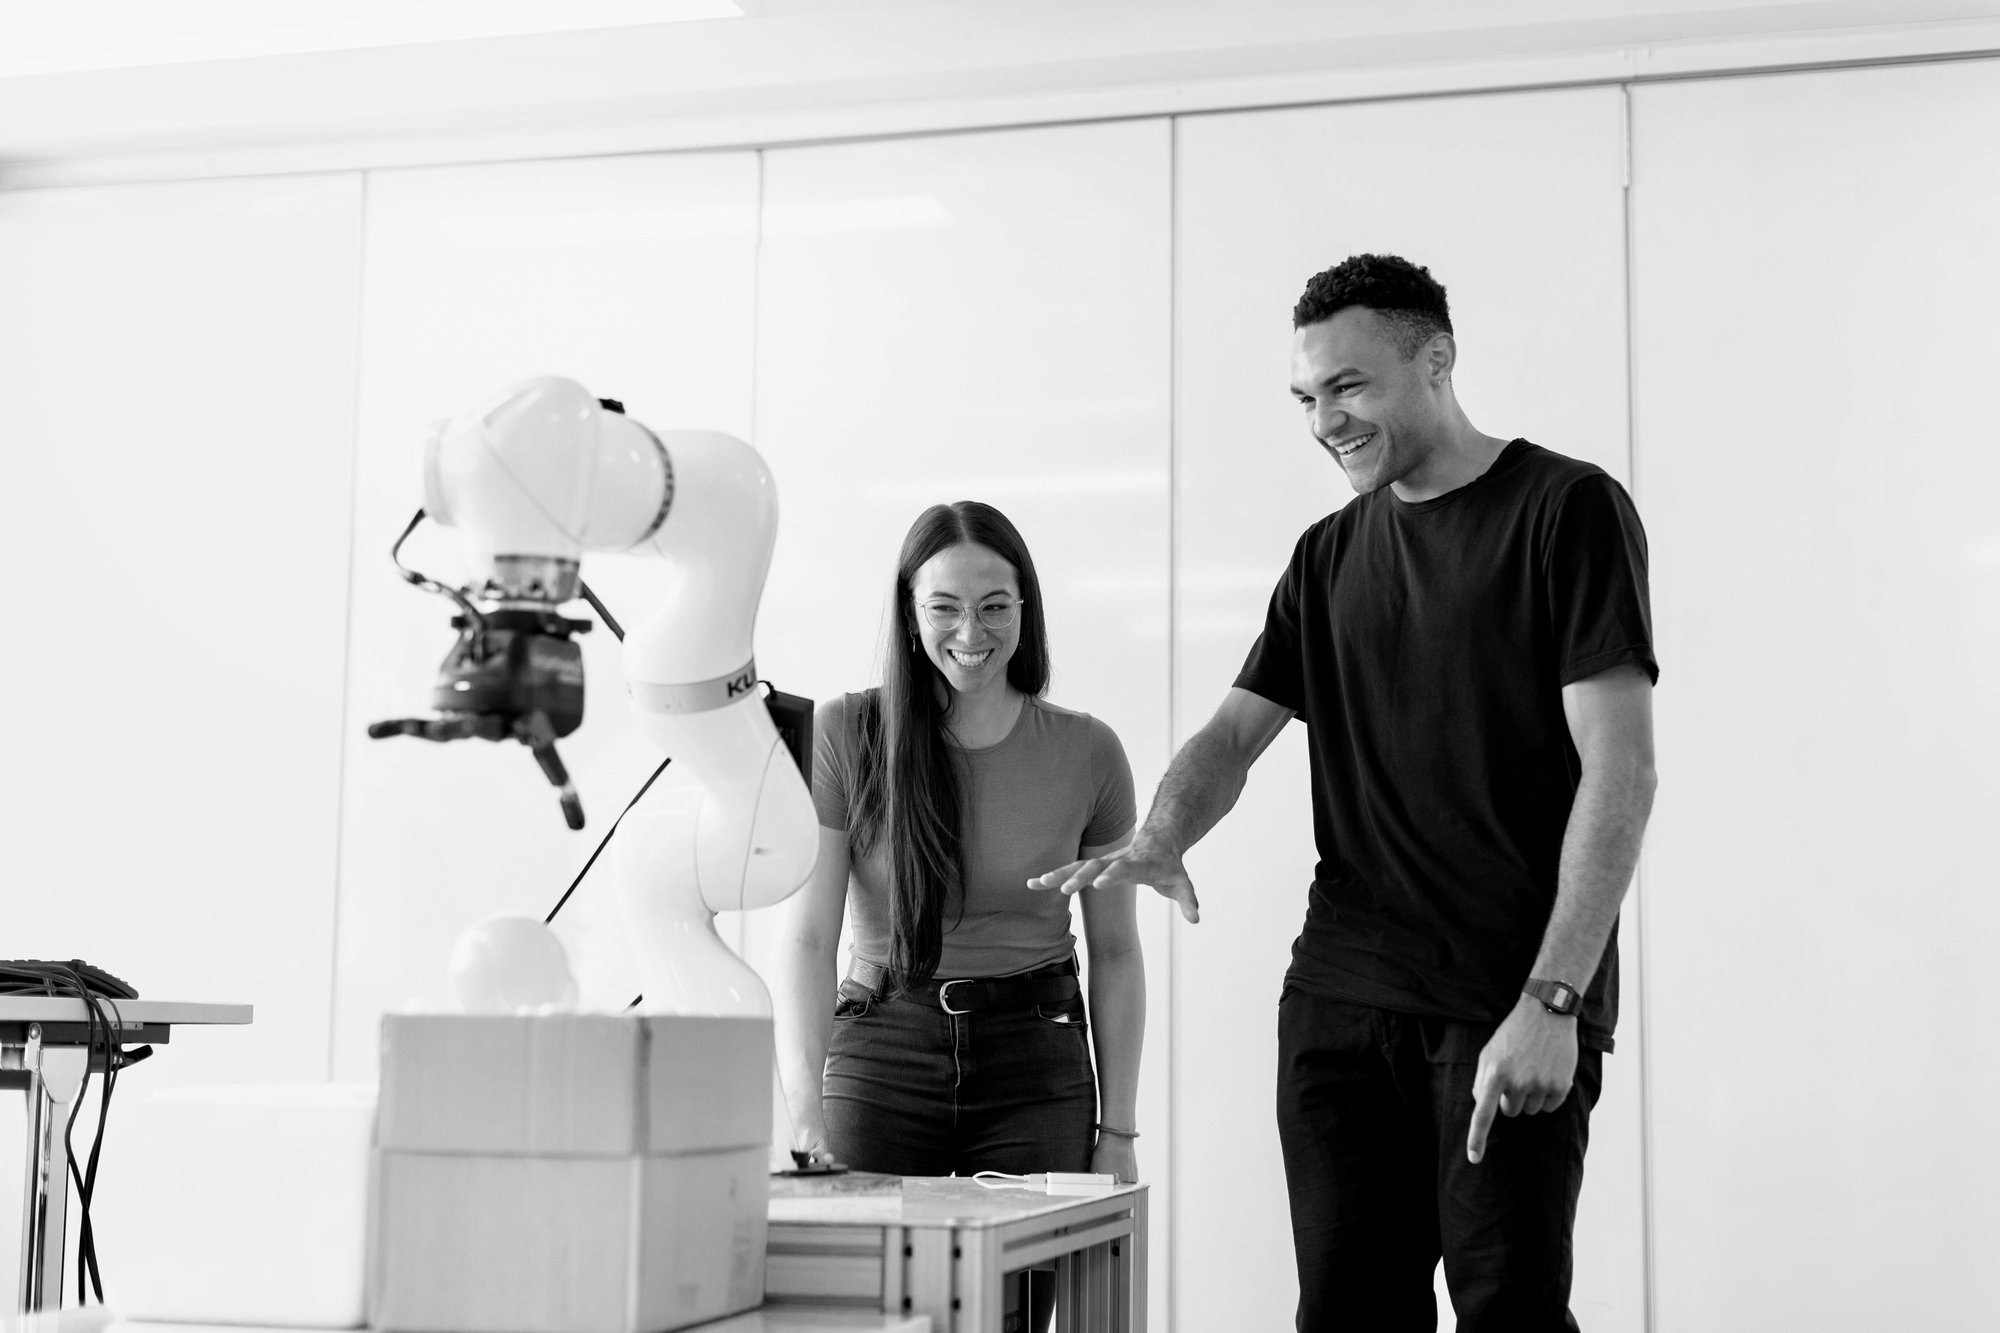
[[1118, 1133]]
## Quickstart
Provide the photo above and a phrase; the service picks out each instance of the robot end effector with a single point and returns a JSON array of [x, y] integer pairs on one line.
[[531, 479], [514, 674]]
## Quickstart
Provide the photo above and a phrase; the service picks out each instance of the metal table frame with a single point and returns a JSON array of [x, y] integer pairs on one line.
[[926, 1258], [44, 1051]]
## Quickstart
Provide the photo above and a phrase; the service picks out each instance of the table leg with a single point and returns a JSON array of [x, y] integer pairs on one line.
[[1096, 1288], [30, 1066], [978, 1285], [1104, 1303], [930, 1272], [55, 1079], [1132, 1277]]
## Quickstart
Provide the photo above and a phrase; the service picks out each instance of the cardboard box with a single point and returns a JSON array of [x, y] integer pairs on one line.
[[574, 1084], [569, 1173], [480, 1243], [239, 1205]]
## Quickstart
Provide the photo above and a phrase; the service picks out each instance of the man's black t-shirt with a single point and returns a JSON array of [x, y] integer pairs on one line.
[[1425, 645]]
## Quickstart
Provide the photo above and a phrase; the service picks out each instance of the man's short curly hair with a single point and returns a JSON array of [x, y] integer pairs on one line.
[[1404, 294]]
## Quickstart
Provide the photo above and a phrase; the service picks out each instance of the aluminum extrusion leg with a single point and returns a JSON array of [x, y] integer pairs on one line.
[[55, 1079]]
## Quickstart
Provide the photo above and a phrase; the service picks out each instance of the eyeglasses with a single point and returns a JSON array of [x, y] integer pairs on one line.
[[948, 616]]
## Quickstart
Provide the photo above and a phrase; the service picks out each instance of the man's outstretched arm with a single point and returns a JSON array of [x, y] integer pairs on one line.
[[1200, 786], [1530, 1061]]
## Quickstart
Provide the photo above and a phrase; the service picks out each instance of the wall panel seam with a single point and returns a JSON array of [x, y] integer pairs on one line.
[[1172, 1213], [756, 328], [1648, 1312], [756, 294], [347, 642]]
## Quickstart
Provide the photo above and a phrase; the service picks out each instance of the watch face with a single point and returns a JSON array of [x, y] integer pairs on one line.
[[1558, 997]]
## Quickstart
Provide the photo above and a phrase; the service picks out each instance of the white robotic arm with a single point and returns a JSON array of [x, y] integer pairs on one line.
[[531, 480]]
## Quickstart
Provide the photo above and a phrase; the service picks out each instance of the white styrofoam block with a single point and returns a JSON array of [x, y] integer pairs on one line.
[[239, 1205]]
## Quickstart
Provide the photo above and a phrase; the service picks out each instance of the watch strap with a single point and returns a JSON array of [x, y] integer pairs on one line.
[[1558, 997]]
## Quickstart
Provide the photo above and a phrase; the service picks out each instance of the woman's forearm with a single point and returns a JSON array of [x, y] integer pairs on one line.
[[1118, 1025], [802, 1014], [803, 989]]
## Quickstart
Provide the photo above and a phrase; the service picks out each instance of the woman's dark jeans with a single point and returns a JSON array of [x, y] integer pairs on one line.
[[914, 1091]]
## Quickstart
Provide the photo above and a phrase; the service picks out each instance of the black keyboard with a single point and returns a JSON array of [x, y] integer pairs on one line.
[[23, 976]]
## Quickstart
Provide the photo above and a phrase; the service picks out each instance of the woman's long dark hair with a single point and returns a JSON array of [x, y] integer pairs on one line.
[[907, 788]]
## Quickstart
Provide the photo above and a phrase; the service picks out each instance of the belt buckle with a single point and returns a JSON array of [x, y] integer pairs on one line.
[[944, 995]]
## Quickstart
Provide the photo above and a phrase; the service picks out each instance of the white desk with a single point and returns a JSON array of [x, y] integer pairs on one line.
[[45, 1052], [791, 1319], [804, 1319], [940, 1247]]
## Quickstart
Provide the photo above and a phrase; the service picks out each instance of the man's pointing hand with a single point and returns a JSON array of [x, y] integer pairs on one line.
[[1525, 1068], [1141, 862]]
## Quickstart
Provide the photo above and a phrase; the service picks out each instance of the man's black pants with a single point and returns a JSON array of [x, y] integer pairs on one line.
[[1373, 1112]]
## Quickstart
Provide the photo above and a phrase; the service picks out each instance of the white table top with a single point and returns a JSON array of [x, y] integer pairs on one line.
[[805, 1319], [770, 1319], [68, 1009], [862, 1199]]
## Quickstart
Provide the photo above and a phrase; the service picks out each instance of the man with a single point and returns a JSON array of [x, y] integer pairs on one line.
[[1469, 644]]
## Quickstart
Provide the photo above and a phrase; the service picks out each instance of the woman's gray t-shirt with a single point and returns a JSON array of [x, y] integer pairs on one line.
[[1058, 783]]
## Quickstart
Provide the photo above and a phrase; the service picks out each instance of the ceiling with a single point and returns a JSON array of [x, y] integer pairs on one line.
[[560, 77]]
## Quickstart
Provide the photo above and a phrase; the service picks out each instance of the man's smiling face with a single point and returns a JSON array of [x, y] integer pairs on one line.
[[1375, 412]]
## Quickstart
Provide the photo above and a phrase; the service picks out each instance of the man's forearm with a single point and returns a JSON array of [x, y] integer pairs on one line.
[[1600, 850], [1200, 787]]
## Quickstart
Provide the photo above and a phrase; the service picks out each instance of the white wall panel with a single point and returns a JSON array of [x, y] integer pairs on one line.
[[177, 363], [978, 317], [178, 367], [1515, 203], [636, 276], [1817, 306]]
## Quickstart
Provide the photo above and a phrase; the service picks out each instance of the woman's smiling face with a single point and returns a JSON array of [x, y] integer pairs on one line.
[[971, 657]]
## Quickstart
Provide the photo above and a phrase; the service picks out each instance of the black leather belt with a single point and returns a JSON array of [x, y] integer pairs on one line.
[[964, 995]]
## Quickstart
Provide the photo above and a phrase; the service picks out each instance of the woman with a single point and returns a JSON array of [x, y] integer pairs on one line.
[[959, 1041]]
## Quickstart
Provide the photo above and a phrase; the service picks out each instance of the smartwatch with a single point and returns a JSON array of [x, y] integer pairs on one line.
[[1558, 997]]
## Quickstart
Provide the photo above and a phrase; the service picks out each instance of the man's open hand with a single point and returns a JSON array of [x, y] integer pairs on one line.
[[1525, 1068], [1142, 861]]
